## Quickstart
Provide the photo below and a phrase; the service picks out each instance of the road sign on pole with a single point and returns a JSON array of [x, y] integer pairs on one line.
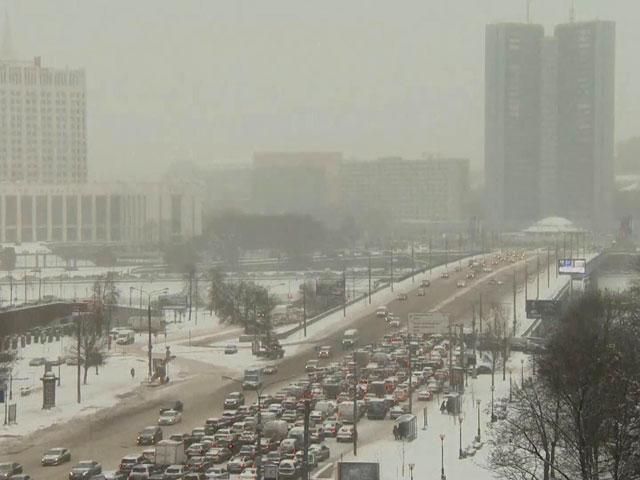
[[428, 323]]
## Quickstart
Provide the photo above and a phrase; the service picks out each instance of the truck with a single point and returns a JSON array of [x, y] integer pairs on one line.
[[275, 430], [169, 452], [252, 378], [346, 412]]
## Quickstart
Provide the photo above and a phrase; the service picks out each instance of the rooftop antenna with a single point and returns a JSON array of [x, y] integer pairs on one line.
[[572, 12]]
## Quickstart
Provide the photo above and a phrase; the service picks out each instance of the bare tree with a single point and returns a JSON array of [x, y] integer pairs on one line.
[[93, 345]]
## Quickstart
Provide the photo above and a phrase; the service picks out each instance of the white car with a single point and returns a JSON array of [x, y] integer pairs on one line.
[[170, 417], [461, 284], [345, 434]]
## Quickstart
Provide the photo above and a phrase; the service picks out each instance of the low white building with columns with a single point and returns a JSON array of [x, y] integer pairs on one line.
[[100, 213]]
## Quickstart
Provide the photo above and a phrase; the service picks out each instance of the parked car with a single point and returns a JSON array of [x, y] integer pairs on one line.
[[170, 417], [55, 456], [85, 469], [150, 436], [9, 468], [230, 349]]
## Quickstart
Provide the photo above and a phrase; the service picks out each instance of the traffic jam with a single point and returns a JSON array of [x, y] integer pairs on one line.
[[337, 390]]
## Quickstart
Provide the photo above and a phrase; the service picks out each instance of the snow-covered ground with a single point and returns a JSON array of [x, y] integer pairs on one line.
[[112, 383]]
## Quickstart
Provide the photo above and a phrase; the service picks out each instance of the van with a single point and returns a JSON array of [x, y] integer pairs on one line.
[[350, 338]]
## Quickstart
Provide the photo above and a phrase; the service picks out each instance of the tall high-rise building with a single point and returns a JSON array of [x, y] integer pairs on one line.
[[512, 122], [43, 128], [586, 73]]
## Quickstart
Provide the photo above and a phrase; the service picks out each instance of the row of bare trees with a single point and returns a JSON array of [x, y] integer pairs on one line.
[[580, 418]]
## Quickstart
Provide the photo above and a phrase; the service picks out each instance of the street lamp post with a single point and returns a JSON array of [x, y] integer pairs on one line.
[[442, 475], [411, 467], [149, 345], [460, 419], [493, 416], [522, 372], [478, 436]]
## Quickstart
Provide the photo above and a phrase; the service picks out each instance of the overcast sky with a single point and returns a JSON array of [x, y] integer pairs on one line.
[[214, 81]]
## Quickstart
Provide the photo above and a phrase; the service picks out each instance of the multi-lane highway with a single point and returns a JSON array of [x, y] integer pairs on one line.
[[110, 434]]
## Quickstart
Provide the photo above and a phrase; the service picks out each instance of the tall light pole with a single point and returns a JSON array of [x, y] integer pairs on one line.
[[460, 419], [442, 475], [493, 416], [149, 344], [510, 387], [522, 373], [478, 436]]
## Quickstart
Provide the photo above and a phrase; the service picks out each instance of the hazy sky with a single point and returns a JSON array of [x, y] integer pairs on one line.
[[214, 81]]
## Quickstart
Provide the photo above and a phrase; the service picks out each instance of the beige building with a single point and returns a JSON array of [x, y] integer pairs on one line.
[[428, 190], [99, 213], [43, 126]]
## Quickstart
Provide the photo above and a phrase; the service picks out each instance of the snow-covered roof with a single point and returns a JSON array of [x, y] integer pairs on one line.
[[553, 225]]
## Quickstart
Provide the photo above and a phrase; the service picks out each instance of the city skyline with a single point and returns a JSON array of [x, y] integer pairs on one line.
[[397, 99]]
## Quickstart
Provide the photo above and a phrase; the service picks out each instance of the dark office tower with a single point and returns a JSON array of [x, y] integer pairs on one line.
[[512, 123], [586, 62]]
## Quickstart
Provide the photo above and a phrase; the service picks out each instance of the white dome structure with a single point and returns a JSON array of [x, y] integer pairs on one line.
[[553, 225]]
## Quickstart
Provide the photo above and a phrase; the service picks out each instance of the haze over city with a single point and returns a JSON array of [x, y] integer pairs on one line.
[[214, 81]]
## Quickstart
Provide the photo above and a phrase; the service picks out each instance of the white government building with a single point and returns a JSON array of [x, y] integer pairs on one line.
[[99, 212]]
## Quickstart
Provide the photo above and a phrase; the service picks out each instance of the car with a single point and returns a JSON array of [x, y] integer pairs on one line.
[[316, 416], [174, 472], [217, 473], [194, 476], [144, 472], [403, 296], [177, 406], [170, 417], [331, 428], [288, 469], [461, 284], [345, 434], [238, 463], [150, 436], [470, 276], [85, 469], [425, 284], [270, 370], [20, 476], [248, 451], [324, 351], [114, 475], [396, 412], [55, 456], [233, 400], [37, 362], [249, 474], [316, 434], [230, 349], [198, 464], [444, 275], [218, 454], [321, 451], [129, 461], [424, 395], [8, 469], [395, 323], [421, 292], [195, 450]]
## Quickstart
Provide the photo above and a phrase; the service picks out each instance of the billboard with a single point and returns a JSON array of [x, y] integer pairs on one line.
[[568, 266], [358, 471], [428, 323]]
